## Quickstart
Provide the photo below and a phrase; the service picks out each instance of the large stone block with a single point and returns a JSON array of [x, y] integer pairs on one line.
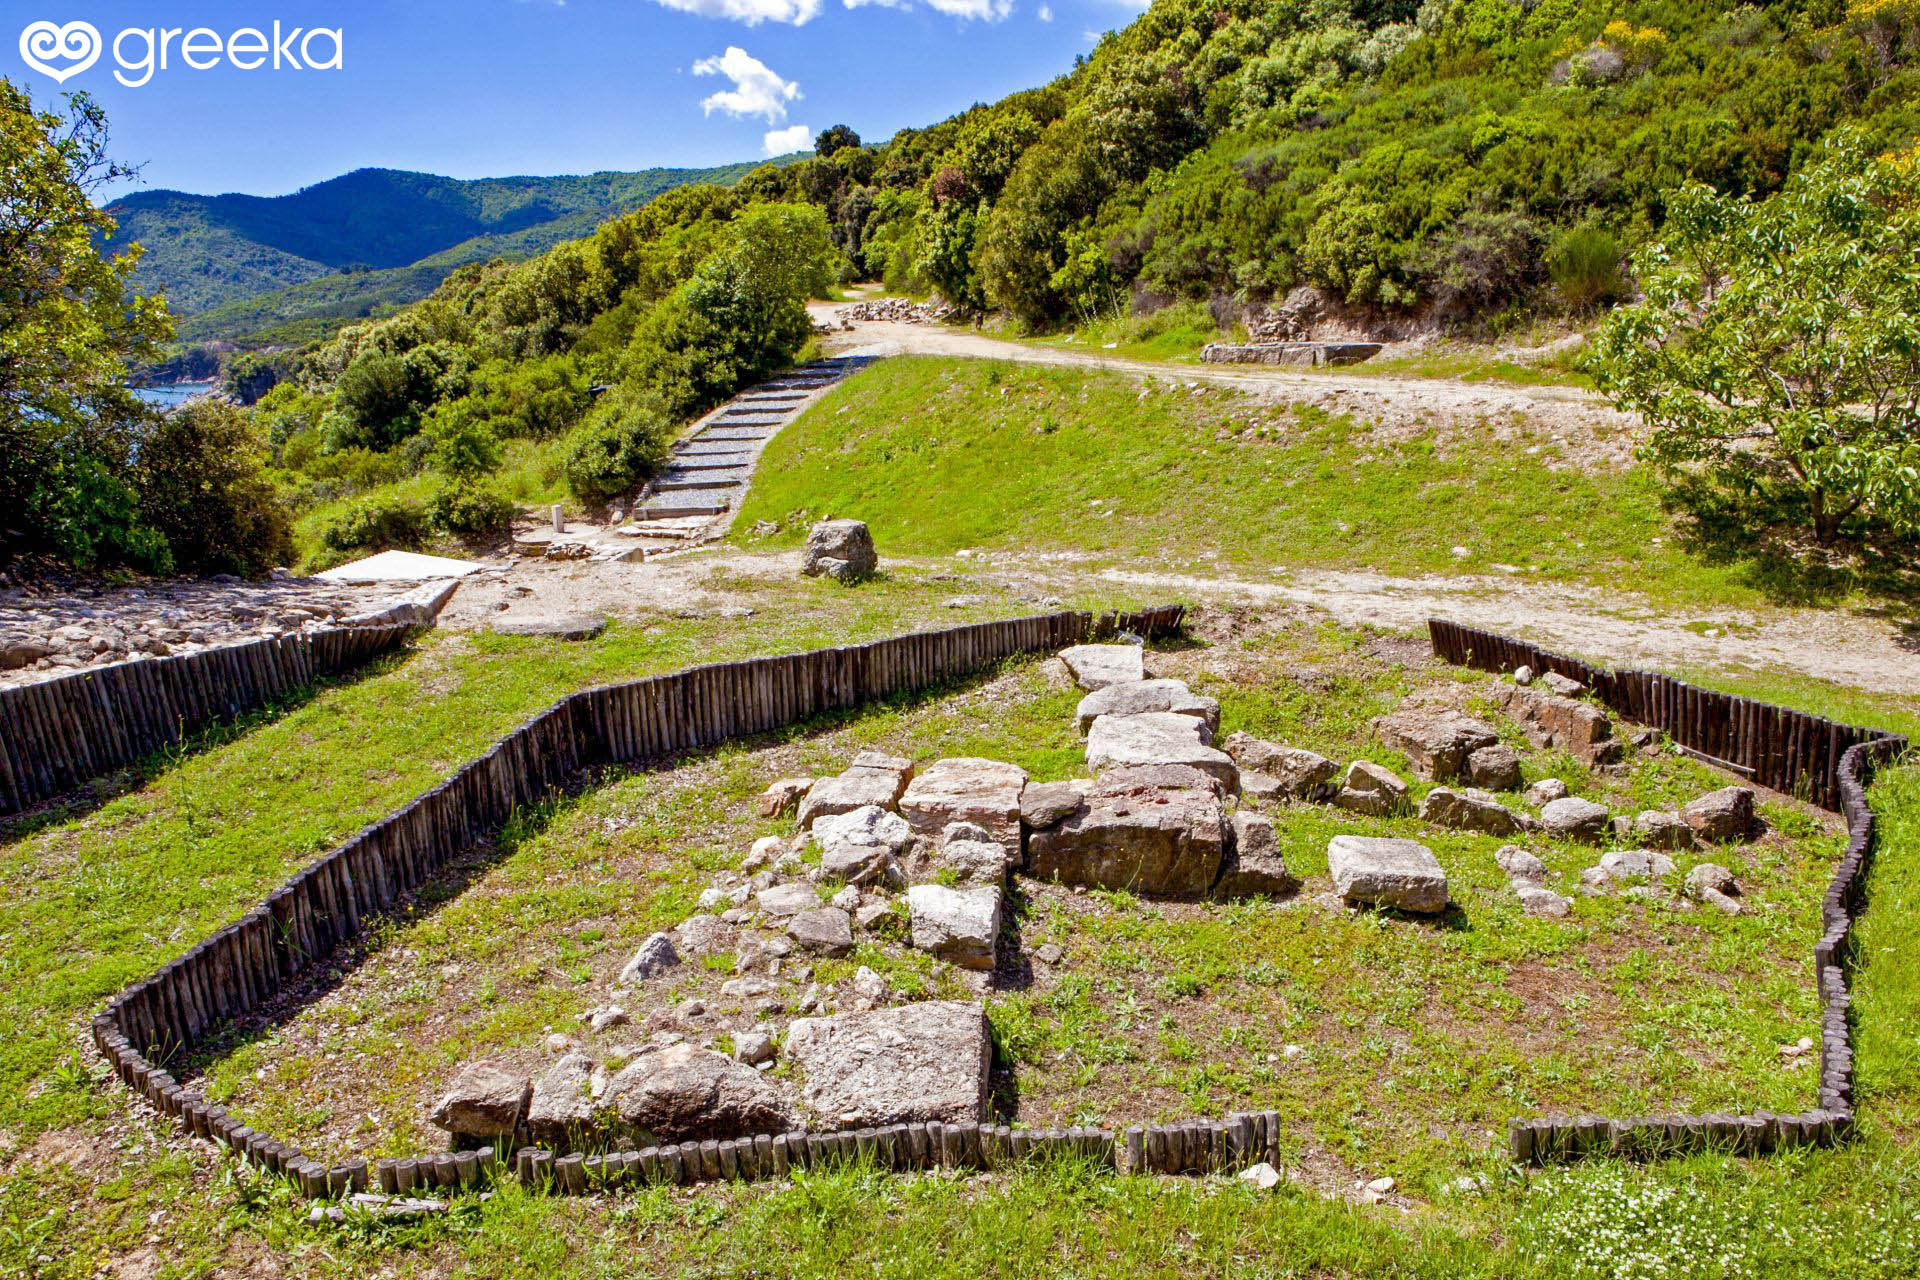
[[1372, 789], [1437, 740], [966, 789], [1136, 696], [1550, 720], [1572, 818], [1159, 830], [1095, 666], [564, 1111], [1718, 816], [1468, 810], [486, 1100], [1254, 866], [1299, 774], [960, 926], [859, 846], [912, 1064], [1157, 737], [872, 779], [684, 1093], [841, 549], [1401, 874]]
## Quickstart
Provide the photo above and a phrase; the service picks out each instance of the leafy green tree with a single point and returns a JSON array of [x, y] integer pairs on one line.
[[69, 328], [835, 138], [465, 448], [1777, 352], [202, 488]]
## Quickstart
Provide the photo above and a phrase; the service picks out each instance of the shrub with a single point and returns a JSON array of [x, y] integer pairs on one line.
[[469, 509], [375, 524], [1585, 266], [462, 446], [201, 487], [622, 442]]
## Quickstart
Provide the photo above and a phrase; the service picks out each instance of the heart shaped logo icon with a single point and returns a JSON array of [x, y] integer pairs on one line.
[[77, 42]]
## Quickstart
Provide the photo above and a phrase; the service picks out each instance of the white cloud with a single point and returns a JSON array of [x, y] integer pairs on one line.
[[984, 10], [751, 12], [1045, 13], [780, 142], [756, 91]]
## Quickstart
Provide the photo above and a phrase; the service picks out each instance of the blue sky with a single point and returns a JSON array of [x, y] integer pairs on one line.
[[484, 88]]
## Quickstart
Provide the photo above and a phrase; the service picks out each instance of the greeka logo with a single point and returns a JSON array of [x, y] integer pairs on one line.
[[138, 52]]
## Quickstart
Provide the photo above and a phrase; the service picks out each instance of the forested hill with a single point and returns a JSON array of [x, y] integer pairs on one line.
[[203, 252], [1460, 156]]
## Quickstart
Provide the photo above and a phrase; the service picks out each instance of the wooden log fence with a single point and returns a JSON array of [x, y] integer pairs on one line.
[[1790, 751], [56, 734], [147, 1026]]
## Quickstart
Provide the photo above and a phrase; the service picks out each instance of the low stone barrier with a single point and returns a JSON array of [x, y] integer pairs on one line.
[[1304, 355], [56, 734], [1787, 750]]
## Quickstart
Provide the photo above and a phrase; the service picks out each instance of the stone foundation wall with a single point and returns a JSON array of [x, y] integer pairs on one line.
[[240, 968]]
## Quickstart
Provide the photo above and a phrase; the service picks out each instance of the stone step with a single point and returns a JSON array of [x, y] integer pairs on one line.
[[668, 484], [718, 449], [750, 420], [705, 465], [720, 435], [675, 509]]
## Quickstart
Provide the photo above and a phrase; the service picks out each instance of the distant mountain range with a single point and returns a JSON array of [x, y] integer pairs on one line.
[[288, 268]]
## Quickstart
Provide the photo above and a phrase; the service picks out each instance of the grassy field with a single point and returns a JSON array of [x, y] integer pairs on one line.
[[102, 891], [938, 455]]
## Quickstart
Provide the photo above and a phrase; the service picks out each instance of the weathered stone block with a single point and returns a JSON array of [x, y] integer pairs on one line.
[[1400, 874], [1299, 774], [1254, 867], [966, 789], [1160, 830], [914, 1064], [486, 1100], [1095, 666], [960, 926], [1134, 697], [1157, 737], [872, 779], [1435, 739]]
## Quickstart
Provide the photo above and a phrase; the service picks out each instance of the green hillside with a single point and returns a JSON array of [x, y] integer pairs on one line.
[[296, 266]]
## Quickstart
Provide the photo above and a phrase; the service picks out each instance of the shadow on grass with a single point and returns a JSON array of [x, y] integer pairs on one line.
[[104, 788], [1769, 544]]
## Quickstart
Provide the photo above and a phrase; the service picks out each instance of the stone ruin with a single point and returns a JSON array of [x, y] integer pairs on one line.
[[893, 853]]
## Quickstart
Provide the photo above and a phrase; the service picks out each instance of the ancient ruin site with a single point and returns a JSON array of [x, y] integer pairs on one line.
[[1094, 905]]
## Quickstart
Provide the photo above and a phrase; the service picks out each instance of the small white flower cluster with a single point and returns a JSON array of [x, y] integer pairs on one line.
[[1618, 1222]]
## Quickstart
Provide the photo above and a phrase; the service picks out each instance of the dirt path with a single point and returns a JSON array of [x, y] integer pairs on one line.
[[1384, 398], [1615, 627]]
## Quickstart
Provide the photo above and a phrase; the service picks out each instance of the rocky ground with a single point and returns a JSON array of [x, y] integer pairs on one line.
[[51, 627]]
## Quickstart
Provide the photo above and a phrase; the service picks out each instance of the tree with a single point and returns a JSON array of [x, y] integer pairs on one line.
[[836, 138], [68, 330], [1777, 352], [201, 488]]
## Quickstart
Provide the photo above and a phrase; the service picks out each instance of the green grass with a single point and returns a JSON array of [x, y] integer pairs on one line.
[[1174, 333], [97, 896], [938, 455]]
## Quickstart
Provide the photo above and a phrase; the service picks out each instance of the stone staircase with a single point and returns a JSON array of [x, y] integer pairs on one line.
[[697, 493]]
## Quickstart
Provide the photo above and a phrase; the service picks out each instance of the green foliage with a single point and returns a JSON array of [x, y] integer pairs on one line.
[[69, 430], [622, 443], [464, 447], [1585, 267], [465, 508], [202, 489], [835, 138], [1776, 354], [376, 524]]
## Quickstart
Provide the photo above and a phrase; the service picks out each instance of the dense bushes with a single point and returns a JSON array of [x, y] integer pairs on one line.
[[202, 489], [376, 523], [620, 445]]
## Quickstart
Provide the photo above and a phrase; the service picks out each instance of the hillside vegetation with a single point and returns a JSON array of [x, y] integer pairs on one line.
[[1459, 158], [369, 238]]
